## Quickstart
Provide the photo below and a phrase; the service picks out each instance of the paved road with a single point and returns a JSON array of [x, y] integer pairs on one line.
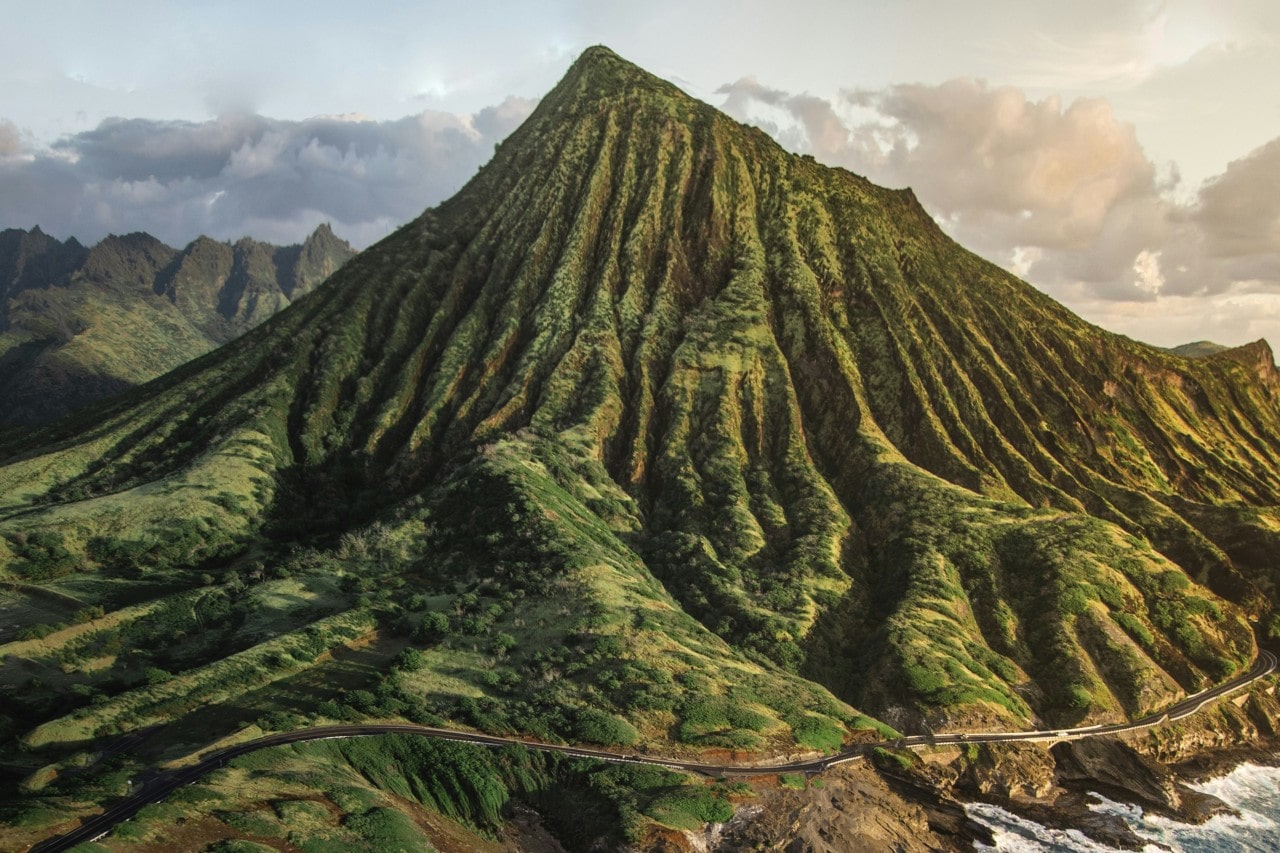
[[161, 786]]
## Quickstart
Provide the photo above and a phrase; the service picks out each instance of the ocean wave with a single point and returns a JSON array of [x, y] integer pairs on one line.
[[1019, 835], [1253, 790]]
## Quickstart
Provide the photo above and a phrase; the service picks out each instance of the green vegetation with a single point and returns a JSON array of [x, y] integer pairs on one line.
[[83, 324], [817, 732], [894, 759], [595, 726], [654, 436], [41, 555], [583, 801], [1198, 349], [385, 829], [688, 808]]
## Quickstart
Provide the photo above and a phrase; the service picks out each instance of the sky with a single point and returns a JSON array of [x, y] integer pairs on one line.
[[1122, 156]]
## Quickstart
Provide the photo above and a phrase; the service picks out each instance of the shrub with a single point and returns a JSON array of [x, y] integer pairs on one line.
[[411, 660], [894, 759], [253, 823], [1078, 698], [88, 614], [432, 628], [362, 700], [42, 554], [1134, 628], [649, 700], [923, 681], [745, 718], [155, 675], [596, 726], [689, 807], [702, 715], [386, 830], [1073, 602], [817, 732], [38, 631], [279, 721]]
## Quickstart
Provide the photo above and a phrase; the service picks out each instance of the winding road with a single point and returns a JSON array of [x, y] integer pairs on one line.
[[161, 786]]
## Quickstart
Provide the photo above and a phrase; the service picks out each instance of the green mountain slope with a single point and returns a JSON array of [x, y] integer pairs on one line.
[[1198, 349], [79, 324], [654, 433]]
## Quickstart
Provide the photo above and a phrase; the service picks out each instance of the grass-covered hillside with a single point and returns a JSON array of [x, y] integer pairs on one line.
[[77, 324], [1199, 349], [654, 435]]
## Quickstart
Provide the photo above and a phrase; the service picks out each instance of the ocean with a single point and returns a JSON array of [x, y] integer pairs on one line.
[[1252, 790]]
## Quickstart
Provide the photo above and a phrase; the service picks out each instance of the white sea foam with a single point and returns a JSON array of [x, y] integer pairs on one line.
[[1248, 784], [1252, 790], [1252, 829], [1018, 835]]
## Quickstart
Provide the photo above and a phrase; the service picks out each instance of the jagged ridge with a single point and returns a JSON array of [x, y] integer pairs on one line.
[[77, 324]]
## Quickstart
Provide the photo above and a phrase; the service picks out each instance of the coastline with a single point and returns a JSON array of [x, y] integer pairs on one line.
[[1251, 823], [1156, 772], [927, 804]]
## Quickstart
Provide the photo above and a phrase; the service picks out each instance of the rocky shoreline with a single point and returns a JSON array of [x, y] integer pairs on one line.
[[916, 802]]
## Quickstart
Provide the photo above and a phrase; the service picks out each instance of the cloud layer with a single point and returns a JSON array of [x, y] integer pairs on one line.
[[1063, 194], [247, 174]]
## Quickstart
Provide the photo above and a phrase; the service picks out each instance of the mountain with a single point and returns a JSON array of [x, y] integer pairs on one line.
[[1198, 349], [33, 259], [653, 435], [77, 324]]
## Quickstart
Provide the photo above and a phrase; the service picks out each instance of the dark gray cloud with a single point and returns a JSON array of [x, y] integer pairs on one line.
[[1062, 193], [248, 174], [1239, 210]]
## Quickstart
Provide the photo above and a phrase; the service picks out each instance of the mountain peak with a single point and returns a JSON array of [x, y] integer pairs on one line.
[[139, 240], [1198, 349], [1257, 356], [323, 236], [599, 72], [599, 61], [597, 53]]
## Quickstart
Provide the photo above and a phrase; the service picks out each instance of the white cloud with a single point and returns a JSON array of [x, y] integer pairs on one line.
[[1062, 194], [252, 158], [248, 174], [1239, 210], [1037, 172], [1146, 271], [1238, 316]]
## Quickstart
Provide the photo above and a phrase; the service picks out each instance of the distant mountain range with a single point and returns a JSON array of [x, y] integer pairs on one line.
[[78, 324], [1199, 349]]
